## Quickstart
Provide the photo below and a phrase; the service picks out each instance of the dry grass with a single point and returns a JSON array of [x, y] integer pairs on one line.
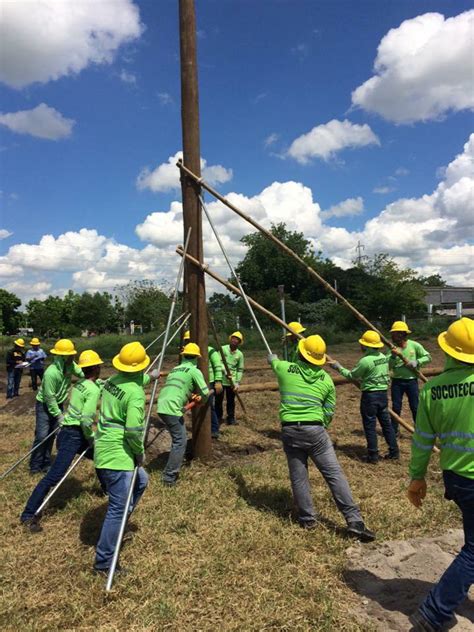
[[219, 552]]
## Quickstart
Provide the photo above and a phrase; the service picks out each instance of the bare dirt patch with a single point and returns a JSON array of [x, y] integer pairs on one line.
[[394, 577]]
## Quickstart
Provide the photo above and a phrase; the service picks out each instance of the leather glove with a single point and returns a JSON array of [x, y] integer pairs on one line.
[[139, 460], [218, 387], [60, 419], [155, 374], [196, 398], [236, 387], [271, 357], [412, 364], [337, 366], [416, 492]]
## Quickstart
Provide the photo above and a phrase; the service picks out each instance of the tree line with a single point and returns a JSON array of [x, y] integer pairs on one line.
[[377, 286]]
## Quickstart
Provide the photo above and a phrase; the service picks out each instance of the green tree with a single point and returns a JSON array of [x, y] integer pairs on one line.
[[145, 303], [434, 280], [95, 312], [9, 315]]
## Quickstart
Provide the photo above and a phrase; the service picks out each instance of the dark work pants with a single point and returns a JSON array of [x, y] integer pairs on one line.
[[373, 406], [452, 588], [34, 375], [411, 390], [40, 459], [70, 442], [229, 393]]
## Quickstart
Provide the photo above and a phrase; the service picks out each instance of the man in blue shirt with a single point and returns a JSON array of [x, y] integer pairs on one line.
[[36, 357]]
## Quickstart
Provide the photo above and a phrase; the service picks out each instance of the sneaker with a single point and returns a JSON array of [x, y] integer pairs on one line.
[[32, 525], [420, 624], [308, 524], [215, 435], [359, 530]]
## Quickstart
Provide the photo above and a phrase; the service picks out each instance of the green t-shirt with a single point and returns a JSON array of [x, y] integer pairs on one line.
[[412, 351], [446, 411], [371, 371], [307, 392], [55, 385], [181, 382], [235, 362], [215, 365], [85, 395], [119, 437]]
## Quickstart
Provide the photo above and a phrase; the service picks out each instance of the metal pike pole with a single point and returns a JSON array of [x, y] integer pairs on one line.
[[123, 524], [163, 333], [183, 324], [10, 469], [234, 274], [311, 271]]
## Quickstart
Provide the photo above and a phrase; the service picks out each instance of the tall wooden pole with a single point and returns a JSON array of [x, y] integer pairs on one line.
[[194, 277]]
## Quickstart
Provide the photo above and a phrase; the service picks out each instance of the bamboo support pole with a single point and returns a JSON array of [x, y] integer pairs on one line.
[[235, 290], [311, 271]]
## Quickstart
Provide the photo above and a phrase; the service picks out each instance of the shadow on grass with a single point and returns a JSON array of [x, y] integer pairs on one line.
[[70, 489], [351, 450], [397, 594], [271, 433], [92, 524]]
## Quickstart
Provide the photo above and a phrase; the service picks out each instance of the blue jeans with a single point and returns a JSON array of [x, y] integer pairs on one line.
[[70, 442], [177, 429], [400, 388], [373, 406], [117, 485], [40, 459], [452, 588], [214, 417], [13, 382]]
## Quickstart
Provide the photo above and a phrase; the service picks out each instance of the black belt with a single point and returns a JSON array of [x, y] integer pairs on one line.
[[285, 424]]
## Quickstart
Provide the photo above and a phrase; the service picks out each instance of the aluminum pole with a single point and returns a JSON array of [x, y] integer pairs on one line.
[[10, 469], [163, 333]]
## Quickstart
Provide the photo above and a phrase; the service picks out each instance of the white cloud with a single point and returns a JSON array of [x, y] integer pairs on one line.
[[383, 190], [41, 122], [271, 139], [324, 141], [166, 176], [423, 70], [346, 208], [43, 41], [4, 233], [7, 269], [127, 77], [26, 291], [401, 171], [165, 98]]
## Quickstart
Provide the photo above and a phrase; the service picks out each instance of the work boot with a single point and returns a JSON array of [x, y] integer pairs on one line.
[[308, 524], [391, 457], [232, 422], [420, 624], [359, 530], [373, 460], [105, 571], [215, 435], [32, 525]]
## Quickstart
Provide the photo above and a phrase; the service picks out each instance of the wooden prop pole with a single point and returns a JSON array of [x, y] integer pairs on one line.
[[302, 263]]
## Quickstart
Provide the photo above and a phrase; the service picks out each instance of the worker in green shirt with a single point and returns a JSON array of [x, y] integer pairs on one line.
[[372, 373], [52, 394], [75, 436], [293, 339], [446, 412], [307, 402], [184, 382], [235, 361], [215, 370], [404, 378], [119, 443]]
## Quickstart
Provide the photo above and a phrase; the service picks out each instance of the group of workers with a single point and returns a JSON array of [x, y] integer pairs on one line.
[[17, 360], [444, 410]]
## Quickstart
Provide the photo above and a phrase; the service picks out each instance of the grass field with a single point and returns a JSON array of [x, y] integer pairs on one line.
[[220, 551]]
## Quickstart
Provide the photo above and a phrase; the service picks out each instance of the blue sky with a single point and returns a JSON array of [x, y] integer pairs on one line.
[[270, 72]]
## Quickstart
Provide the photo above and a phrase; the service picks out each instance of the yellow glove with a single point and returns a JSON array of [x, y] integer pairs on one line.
[[196, 398], [416, 492], [218, 387]]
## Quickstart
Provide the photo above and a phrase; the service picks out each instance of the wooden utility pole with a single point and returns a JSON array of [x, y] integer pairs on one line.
[[194, 277]]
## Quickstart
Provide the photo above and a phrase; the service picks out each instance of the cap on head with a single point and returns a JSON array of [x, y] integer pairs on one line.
[[296, 328], [313, 349], [89, 358], [191, 349], [35, 342], [187, 336], [400, 326], [371, 339], [132, 358], [19, 342], [458, 340], [237, 335], [64, 347]]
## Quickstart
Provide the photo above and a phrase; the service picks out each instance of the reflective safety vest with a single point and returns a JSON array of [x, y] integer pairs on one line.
[[446, 412], [82, 408]]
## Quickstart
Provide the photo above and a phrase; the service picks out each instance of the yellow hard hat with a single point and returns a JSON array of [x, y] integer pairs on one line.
[[458, 340], [19, 342], [191, 349], [399, 325], [371, 339], [89, 358], [313, 349], [187, 335], [132, 358], [35, 341], [64, 347], [238, 335], [296, 328]]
